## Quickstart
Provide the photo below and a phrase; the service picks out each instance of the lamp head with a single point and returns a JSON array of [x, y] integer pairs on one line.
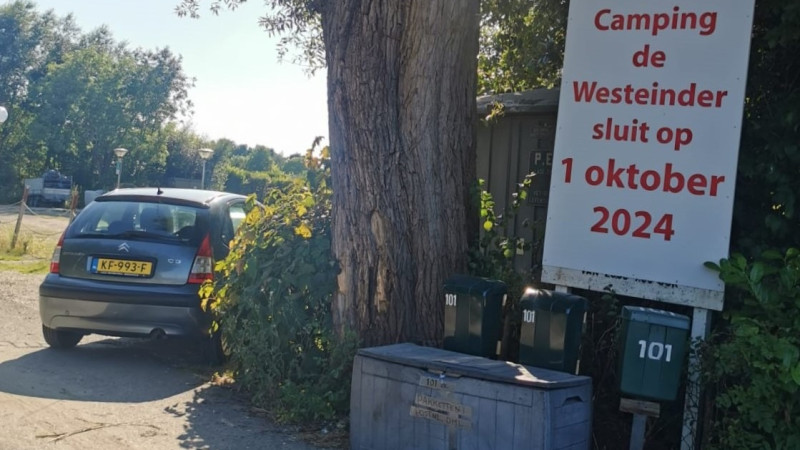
[[120, 152], [205, 153]]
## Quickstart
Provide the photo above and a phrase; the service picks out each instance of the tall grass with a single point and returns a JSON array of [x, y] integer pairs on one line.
[[28, 245], [31, 252]]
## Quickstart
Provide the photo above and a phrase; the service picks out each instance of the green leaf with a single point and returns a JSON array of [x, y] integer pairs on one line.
[[757, 272], [303, 230], [796, 374], [772, 255], [738, 261], [487, 225], [308, 201]]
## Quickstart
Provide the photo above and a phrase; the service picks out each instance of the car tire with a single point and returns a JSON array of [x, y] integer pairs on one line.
[[61, 339], [216, 353]]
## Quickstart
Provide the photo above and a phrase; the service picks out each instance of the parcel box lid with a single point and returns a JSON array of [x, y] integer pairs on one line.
[[477, 286], [452, 363], [655, 317], [546, 300]]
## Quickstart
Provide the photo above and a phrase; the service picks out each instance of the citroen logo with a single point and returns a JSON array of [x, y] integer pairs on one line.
[[124, 247]]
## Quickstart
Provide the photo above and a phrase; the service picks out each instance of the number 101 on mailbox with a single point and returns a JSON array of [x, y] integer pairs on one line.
[[653, 350]]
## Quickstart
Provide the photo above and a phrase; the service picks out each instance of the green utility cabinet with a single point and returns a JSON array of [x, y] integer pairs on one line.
[[551, 329], [653, 351], [473, 309]]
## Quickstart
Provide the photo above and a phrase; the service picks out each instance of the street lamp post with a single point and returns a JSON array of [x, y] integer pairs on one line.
[[120, 152], [205, 155]]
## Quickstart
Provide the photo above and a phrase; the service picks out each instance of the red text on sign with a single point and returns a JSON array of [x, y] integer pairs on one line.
[[643, 58], [588, 92], [621, 223], [638, 132], [706, 22], [632, 177], [677, 137], [635, 132]]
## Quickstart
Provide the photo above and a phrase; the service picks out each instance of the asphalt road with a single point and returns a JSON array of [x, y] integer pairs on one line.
[[114, 393]]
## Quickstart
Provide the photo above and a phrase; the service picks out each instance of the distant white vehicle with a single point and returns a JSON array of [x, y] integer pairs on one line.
[[51, 189]]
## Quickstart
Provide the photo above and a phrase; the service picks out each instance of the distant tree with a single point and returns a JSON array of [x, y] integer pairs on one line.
[[401, 103], [182, 145], [261, 158], [522, 44], [29, 42], [294, 164], [104, 96], [74, 97]]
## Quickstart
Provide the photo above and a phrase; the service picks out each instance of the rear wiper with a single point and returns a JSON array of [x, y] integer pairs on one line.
[[94, 235], [145, 234]]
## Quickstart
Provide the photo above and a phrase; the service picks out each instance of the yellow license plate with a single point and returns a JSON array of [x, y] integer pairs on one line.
[[123, 267]]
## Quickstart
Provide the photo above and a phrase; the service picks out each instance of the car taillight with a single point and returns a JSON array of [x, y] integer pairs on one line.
[[203, 267], [55, 261]]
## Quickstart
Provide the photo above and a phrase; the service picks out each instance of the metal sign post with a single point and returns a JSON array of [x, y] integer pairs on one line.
[[691, 406]]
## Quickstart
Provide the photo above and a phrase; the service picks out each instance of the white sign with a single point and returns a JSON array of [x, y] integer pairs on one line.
[[647, 140]]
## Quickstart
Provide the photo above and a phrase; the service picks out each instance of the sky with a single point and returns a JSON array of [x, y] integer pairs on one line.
[[241, 90]]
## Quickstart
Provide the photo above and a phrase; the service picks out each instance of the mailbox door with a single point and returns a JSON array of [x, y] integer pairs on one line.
[[473, 312], [455, 322], [654, 351], [551, 328]]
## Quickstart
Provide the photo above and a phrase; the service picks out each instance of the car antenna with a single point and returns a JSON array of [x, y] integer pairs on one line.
[[159, 191]]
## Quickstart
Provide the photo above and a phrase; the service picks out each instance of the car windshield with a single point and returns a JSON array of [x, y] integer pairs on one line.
[[125, 219]]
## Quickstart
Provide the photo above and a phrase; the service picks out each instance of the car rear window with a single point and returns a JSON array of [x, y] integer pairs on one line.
[[126, 219]]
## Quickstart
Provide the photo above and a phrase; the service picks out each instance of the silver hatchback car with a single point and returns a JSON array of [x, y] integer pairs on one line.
[[131, 264]]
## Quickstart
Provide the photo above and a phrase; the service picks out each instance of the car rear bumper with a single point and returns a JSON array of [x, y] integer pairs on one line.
[[90, 307]]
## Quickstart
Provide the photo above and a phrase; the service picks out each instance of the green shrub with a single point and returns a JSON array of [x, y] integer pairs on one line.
[[273, 303], [241, 180], [492, 256], [753, 361]]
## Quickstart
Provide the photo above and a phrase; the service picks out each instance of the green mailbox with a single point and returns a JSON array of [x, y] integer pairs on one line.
[[473, 310], [551, 329], [653, 349]]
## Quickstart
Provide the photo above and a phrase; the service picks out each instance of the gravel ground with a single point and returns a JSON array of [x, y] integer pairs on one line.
[[115, 393]]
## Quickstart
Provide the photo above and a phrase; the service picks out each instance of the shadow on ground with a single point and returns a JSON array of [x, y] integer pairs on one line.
[[139, 371], [108, 370], [219, 418]]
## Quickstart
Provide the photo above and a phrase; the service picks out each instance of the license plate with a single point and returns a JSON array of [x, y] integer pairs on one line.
[[125, 267]]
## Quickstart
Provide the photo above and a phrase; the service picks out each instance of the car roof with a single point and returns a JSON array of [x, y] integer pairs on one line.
[[176, 195]]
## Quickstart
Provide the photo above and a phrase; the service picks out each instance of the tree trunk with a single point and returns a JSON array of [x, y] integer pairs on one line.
[[401, 96]]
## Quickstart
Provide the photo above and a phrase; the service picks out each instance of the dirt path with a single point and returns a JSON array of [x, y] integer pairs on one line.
[[113, 393]]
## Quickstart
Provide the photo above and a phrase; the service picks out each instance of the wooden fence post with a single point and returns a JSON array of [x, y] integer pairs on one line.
[[22, 206], [73, 203]]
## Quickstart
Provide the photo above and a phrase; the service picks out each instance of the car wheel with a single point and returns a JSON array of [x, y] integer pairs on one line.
[[216, 352], [61, 339]]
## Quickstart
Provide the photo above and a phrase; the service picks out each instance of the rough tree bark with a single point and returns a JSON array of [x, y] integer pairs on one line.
[[401, 96]]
